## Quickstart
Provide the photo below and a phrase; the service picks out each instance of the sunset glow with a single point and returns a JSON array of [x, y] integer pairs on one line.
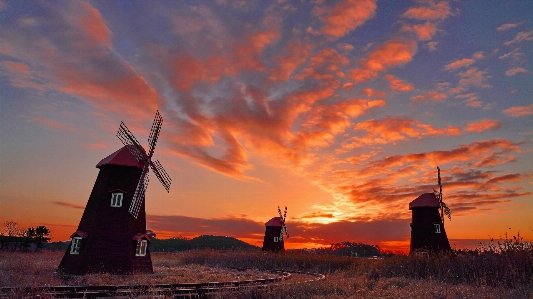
[[340, 110]]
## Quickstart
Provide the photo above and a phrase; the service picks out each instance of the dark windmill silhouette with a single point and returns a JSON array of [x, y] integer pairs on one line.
[[427, 227], [112, 235], [275, 228]]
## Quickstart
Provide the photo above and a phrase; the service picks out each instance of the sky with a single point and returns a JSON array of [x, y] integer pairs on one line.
[[340, 110]]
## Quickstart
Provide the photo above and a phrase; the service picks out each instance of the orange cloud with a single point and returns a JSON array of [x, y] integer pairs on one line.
[[297, 55], [390, 54], [247, 54], [431, 96], [94, 25], [394, 129], [459, 63], [125, 93], [437, 11], [324, 65], [346, 16], [397, 84], [518, 111], [17, 66], [476, 149], [483, 125], [370, 93], [478, 55], [324, 122], [471, 99], [423, 31], [98, 145]]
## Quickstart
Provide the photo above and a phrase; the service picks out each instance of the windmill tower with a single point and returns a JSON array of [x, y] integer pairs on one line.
[[427, 227], [112, 235], [275, 228]]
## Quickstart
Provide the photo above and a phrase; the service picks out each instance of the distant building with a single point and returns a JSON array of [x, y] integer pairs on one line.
[[427, 228], [273, 240]]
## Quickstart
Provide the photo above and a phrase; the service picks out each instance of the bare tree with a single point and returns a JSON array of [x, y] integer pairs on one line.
[[11, 229]]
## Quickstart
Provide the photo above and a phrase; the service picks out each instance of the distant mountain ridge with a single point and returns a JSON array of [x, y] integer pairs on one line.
[[201, 242]]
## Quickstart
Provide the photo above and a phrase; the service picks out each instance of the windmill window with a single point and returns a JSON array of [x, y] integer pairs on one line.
[[116, 199], [437, 228], [75, 245], [141, 248], [276, 239]]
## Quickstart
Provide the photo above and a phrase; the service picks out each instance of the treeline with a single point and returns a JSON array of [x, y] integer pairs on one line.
[[201, 242], [354, 249], [14, 238]]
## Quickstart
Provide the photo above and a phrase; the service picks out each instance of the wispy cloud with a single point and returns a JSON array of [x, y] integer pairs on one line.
[[68, 205], [508, 26], [436, 11], [516, 70], [518, 111], [429, 96], [394, 129], [397, 84], [483, 125], [520, 37], [424, 31], [459, 63], [53, 124]]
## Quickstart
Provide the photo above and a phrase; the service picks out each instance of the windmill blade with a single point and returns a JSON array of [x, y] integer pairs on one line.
[[127, 138], [286, 231], [154, 133], [280, 215], [138, 197], [285, 214], [440, 184], [447, 211], [161, 174]]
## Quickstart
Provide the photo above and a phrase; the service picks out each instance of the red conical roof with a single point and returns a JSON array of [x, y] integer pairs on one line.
[[276, 221], [122, 157], [426, 200]]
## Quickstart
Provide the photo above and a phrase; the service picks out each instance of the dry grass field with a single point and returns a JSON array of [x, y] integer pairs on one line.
[[504, 270]]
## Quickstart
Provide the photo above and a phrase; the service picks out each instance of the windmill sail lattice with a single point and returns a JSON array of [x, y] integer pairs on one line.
[[283, 226], [136, 149], [444, 210]]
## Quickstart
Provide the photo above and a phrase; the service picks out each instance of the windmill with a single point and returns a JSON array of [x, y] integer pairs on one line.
[[112, 235], [427, 226], [275, 228]]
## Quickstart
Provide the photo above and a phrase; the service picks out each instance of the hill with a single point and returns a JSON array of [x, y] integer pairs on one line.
[[201, 242]]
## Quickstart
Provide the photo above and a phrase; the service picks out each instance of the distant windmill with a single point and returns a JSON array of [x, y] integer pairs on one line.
[[112, 235], [427, 227], [275, 228]]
